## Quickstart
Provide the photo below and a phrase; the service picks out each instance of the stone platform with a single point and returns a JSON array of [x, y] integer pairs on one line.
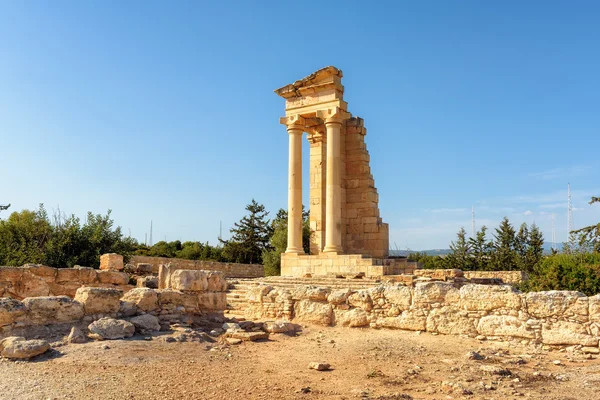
[[324, 264]]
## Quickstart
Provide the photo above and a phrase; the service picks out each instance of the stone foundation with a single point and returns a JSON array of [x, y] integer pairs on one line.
[[293, 264], [231, 270], [496, 312], [33, 280]]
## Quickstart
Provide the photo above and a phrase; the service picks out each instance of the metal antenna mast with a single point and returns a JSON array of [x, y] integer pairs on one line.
[[570, 212], [553, 233], [473, 221], [150, 233]]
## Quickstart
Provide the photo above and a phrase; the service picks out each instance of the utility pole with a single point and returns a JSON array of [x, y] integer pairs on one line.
[[473, 221], [553, 233], [570, 212], [150, 233]]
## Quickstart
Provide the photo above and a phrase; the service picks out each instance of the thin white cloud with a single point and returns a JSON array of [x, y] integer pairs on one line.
[[528, 212], [562, 172], [554, 205], [448, 210]]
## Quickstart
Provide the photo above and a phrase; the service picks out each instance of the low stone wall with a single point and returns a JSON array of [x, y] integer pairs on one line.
[[486, 311], [93, 303], [510, 277], [231, 270], [38, 280]]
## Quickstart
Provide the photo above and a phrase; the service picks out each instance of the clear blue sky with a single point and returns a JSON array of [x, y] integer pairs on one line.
[[166, 111]]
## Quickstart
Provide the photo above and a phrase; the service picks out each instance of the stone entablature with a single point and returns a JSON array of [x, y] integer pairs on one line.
[[344, 211]]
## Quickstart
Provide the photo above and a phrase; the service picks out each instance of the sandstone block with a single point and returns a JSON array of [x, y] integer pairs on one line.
[[76, 336], [353, 318], [489, 297], [216, 281], [110, 329], [67, 275], [255, 294], [412, 320], [111, 262], [10, 310], [52, 309], [11, 274], [48, 274], [339, 296], [97, 300], [567, 333], [504, 325], [212, 301], [451, 321], [313, 312], [87, 275], [189, 280], [594, 310], [278, 327], [554, 303], [30, 286], [361, 299], [399, 296], [19, 348], [310, 293], [145, 323], [435, 292], [144, 299], [113, 277], [148, 281], [174, 298]]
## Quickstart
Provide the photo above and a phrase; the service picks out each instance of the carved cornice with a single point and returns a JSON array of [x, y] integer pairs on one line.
[[293, 122]]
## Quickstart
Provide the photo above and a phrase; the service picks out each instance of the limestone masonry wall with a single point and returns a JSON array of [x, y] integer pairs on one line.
[[34, 280], [510, 277], [198, 293], [231, 270], [485, 311]]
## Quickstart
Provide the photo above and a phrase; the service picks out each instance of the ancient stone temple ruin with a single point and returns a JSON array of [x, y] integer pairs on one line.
[[349, 235]]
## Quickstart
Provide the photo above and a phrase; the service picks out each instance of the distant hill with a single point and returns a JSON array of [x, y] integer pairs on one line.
[[442, 252]]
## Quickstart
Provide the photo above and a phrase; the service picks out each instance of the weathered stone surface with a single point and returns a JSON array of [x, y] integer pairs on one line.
[[435, 292], [113, 277], [99, 300], [319, 366], [174, 298], [10, 310], [87, 275], [313, 293], [339, 296], [127, 309], [412, 320], [67, 275], [567, 333], [148, 281], [110, 329], [556, 303], [46, 273], [489, 297], [189, 280], [145, 299], [504, 325], [278, 327], [111, 262], [451, 321], [313, 312], [30, 285], [255, 294], [399, 296], [594, 308], [76, 336], [212, 301], [353, 318], [216, 281], [249, 336], [52, 309], [20, 348], [145, 323], [361, 299]]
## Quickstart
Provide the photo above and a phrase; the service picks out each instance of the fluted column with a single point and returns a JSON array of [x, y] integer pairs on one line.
[[333, 204], [294, 243]]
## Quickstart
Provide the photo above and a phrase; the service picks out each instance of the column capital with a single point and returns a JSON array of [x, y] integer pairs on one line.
[[293, 122], [333, 115]]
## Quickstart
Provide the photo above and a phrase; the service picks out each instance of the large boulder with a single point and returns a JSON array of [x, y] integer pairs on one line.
[[504, 325], [451, 321], [53, 309], [400, 296], [10, 310], [212, 301], [19, 348], [189, 280], [97, 300], [313, 293], [145, 323], [489, 297], [169, 298], [148, 281], [339, 296], [313, 312], [255, 294], [567, 333], [110, 329], [145, 299], [412, 320]]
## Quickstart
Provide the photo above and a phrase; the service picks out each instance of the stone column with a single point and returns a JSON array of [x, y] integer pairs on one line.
[[294, 244], [333, 202]]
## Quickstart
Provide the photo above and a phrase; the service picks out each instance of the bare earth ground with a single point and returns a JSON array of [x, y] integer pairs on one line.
[[366, 364]]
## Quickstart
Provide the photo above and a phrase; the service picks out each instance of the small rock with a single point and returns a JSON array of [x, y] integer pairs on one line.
[[109, 328], [557, 362], [590, 350], [76, 336], [233, 341], [473, 355], [319, 366], [16, 347]]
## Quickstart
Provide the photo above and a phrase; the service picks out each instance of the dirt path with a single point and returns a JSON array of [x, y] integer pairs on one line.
[[367, 364]]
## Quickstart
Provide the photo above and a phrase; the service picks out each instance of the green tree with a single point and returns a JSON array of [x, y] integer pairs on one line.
[[250, 236], [23, 237], [503, 256], [459, 257], [481, 250], [589, 236], [521, 246], [535, 249]]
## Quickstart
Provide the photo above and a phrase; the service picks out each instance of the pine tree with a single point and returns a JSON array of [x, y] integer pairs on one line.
[[250, 236], [504, 258], [459, 257], [521, 246], [481, 249], [535, 249], [589, 236]]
